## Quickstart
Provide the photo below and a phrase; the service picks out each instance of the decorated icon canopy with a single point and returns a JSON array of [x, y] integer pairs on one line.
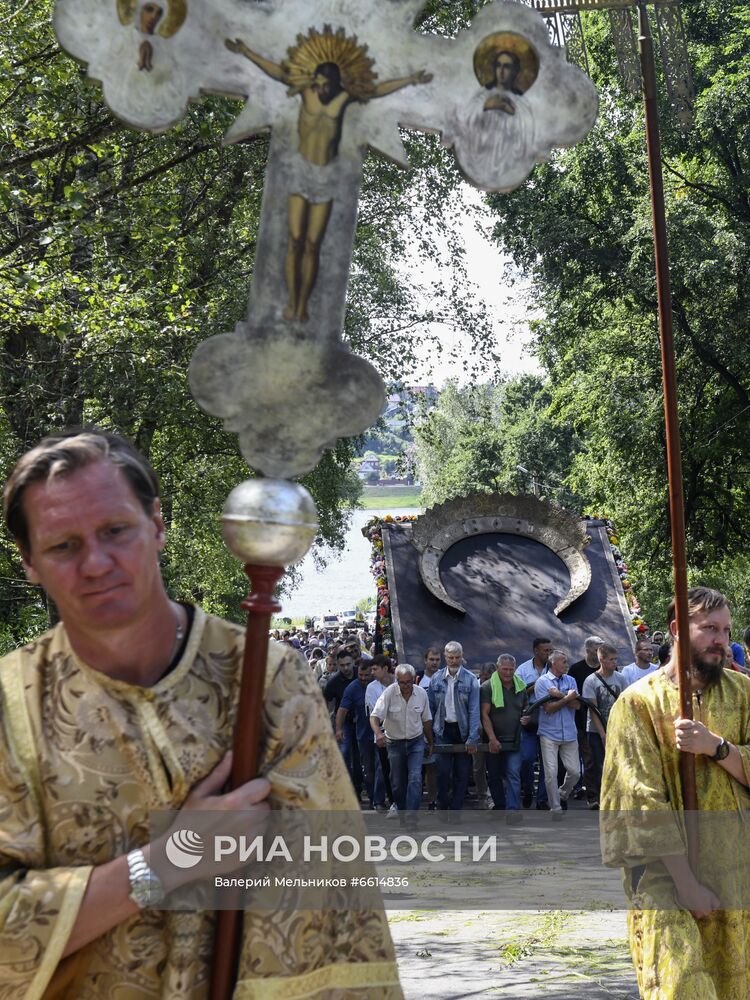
[[498, 580]]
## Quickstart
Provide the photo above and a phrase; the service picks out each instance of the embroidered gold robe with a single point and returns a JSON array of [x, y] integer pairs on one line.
[[677, 957], [83, 761]]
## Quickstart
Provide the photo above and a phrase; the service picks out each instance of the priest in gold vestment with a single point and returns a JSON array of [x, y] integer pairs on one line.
[[689, 931], [125, 707]]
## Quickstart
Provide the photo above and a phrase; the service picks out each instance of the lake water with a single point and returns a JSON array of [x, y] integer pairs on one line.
[[345, 580]]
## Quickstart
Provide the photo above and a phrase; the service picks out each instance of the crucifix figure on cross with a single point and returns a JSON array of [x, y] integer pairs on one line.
[[355, 74], [329, 71]]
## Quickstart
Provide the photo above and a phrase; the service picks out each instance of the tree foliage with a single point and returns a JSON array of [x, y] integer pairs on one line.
[[491, 438], [119, 252], [582, 228]]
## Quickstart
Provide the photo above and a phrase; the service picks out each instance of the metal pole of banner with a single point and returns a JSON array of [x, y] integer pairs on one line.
[[268, 524], [260, 605], [669, 377]]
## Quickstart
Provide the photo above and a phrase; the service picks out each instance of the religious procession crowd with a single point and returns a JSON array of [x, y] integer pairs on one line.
[[596, 729], [502, 735]]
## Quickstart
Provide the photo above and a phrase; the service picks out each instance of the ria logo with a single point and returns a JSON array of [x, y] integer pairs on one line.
[[184, 849]]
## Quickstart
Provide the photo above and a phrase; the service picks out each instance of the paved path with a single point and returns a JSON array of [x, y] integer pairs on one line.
[[461, 955]]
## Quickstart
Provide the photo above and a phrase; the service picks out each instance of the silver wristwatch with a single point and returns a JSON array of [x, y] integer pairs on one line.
[[145, 887]]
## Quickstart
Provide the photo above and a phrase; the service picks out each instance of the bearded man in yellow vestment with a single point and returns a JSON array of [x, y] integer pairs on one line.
[[689, 929], [125, 707]]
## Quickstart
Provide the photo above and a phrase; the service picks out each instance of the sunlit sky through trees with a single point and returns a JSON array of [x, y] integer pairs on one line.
[[504, 292]]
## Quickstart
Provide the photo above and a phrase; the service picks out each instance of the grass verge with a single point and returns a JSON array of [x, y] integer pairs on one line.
[[390, 496]]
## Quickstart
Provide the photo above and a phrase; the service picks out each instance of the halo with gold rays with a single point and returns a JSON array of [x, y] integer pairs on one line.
[[355, 66], [177, 12], [506, 41]]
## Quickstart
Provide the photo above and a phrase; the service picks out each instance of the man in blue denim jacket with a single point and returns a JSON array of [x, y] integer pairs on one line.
[[454, 703]]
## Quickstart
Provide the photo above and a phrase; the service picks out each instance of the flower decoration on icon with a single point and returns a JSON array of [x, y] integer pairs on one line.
[[373, 531], [639, 624]]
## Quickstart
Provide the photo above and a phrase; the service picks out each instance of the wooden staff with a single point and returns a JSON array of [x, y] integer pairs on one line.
[[260, 605], [674, 463]]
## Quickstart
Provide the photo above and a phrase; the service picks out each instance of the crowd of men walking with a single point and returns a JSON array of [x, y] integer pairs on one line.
[[525, 735]]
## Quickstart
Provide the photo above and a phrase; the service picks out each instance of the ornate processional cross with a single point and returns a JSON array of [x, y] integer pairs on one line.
[[329, 79]]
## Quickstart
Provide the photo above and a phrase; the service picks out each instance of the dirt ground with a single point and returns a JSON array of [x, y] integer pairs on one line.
[[457, 955]]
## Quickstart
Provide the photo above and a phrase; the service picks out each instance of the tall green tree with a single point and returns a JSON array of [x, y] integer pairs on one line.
[[457, 450], [491, 438]]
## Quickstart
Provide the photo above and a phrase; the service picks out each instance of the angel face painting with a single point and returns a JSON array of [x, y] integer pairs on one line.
[[495, 127], [152, 17], [507, 70], [505, 64]]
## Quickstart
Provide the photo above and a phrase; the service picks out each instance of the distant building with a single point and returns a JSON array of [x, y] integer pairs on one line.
[[367, 467]]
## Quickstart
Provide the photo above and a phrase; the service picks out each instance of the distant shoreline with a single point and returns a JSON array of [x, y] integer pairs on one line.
[[380, 497]]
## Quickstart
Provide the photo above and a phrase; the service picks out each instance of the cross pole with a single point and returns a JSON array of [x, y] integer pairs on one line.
[[671, 412], [259, 606]]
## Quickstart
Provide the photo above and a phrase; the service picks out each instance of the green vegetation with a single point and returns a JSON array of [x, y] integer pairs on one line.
[[583, 231], [515, 951], [607, 959], [282, 622], [121, 251], [491, 438], [534, 934], [381, 497]]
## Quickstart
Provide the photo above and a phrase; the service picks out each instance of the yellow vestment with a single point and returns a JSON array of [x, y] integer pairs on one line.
[[677, 957], [83, 761]]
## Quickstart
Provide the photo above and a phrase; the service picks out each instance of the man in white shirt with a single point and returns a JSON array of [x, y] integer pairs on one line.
[[642, 665], [431, 666], [404, 712]]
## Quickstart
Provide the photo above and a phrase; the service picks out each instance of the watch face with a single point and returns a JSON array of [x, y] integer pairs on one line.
[[146, 892], [723, 750], [139, 892]]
